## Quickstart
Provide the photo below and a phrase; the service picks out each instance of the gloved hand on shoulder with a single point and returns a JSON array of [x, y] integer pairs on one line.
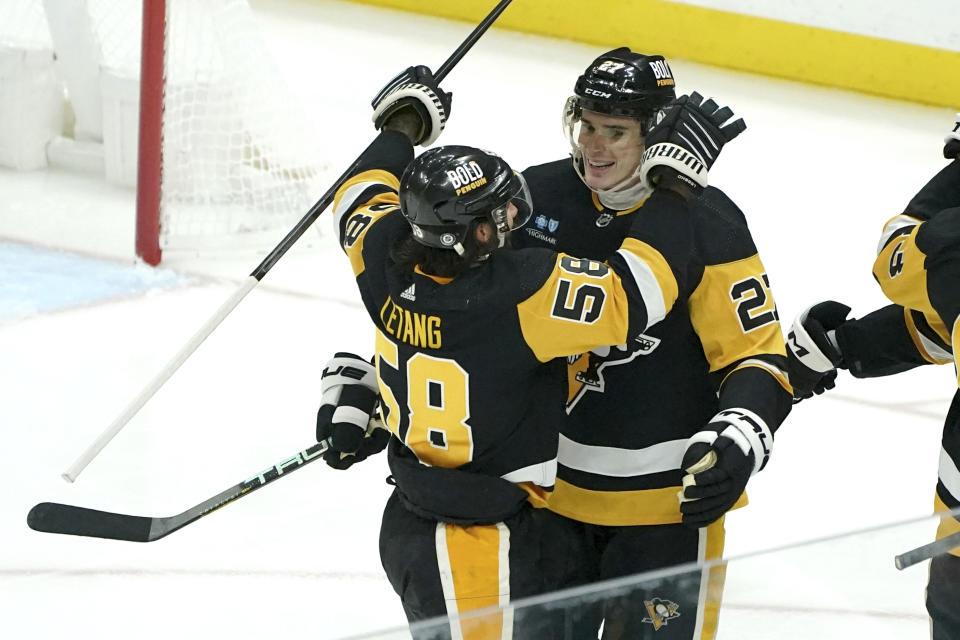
[[684, 141]]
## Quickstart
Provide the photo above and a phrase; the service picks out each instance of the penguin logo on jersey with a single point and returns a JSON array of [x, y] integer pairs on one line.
[[585, 371], [660, 612]]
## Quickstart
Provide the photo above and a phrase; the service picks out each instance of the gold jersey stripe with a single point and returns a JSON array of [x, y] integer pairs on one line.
[[479, 575], [619, 508], [437, 279], [948, 525], [734, 314], [778, 374], [537, 496]]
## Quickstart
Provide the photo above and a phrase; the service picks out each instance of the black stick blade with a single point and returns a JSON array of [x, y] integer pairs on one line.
[[53, 517]]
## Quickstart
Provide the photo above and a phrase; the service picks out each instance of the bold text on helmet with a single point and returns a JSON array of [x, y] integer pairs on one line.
[[464, 174]]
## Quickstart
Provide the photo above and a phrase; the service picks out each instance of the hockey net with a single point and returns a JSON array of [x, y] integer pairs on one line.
[[239, 158]]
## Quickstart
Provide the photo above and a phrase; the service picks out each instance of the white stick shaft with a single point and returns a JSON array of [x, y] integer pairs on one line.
[[159, 380]]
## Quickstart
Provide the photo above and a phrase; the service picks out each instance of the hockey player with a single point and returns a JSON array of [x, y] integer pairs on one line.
[[470, 347], [711, 376], [918, 269]]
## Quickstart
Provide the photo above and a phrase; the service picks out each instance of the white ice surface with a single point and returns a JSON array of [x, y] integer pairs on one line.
[[817, 173]]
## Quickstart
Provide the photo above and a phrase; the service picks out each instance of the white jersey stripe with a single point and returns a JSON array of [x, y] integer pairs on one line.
[[933, 350], [649, 286], [949, 474], [543, 474], [446, 581], [506, 632], [893, 226], [763, 364], [621, 463], [704, 583]]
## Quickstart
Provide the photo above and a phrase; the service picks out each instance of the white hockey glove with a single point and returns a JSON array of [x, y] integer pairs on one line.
[[951, 147], [349, 401], [718, 462], [813, 355], [413, 95], [684, 142]]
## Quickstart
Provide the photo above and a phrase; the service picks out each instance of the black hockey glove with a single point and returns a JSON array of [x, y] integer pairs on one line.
[[718, 462], [951, 148], [349, 401], [813, 355], [414, 103], [684, 142]]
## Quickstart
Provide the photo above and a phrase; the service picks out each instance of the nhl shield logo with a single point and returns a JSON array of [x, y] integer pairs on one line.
[[604, 219]]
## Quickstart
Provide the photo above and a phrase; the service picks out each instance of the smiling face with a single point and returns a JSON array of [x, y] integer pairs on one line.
[[612, 147]]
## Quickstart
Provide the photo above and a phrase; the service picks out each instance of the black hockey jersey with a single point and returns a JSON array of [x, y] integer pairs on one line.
[[632, 407], [929, 229], [918, 268], [468, 368]]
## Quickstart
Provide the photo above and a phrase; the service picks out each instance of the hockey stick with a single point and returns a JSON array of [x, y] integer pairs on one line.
[[927, 551], [54, 517], [255, 276]]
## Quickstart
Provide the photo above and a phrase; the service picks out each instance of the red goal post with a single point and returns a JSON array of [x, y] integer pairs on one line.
[[149, 151]]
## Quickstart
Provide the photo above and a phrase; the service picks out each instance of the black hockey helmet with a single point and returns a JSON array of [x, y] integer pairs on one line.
[[623, 83], [446, 188]]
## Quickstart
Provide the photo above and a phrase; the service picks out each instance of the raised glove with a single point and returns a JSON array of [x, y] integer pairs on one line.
[[951, 148], [718, 462], [413, 103], [685, 140], [349, 401], [813, 355]]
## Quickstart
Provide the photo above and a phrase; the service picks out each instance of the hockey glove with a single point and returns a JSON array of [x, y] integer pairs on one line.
[[413, 97], [813, 355], [718, 462], [684, 142], [951, 147], [349, 400]]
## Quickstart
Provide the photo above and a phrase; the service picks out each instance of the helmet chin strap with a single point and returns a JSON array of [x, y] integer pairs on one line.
[[501, 224], [618, 197]]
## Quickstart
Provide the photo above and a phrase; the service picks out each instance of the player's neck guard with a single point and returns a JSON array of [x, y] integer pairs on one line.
[[618, 197]]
